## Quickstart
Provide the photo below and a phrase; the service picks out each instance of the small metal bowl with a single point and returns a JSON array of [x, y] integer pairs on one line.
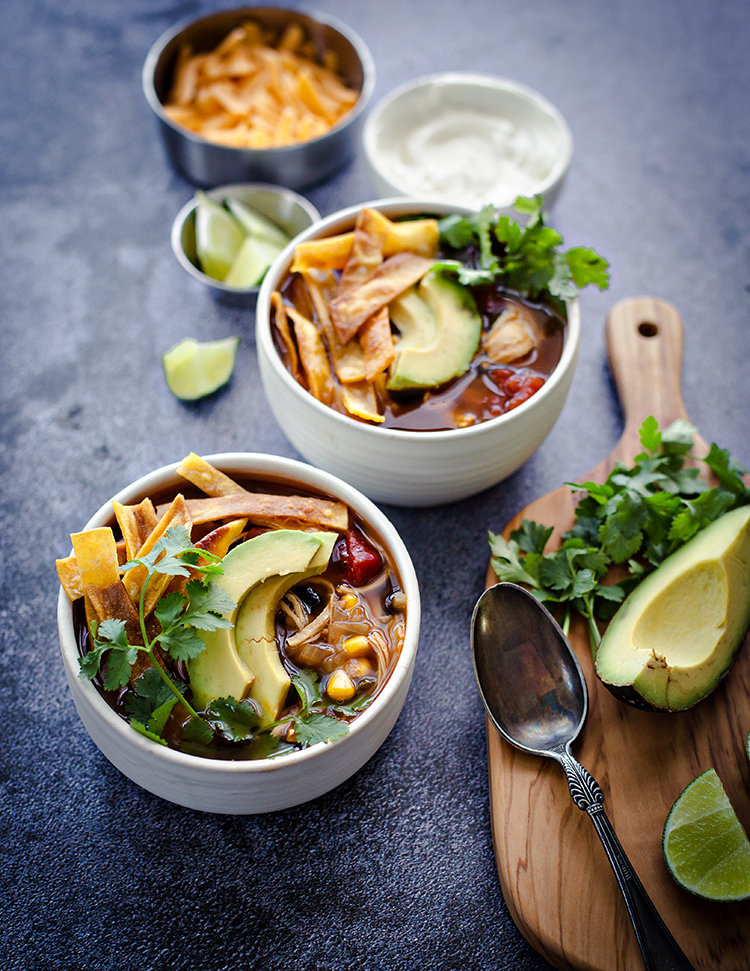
[[291, 212], [295, 166]]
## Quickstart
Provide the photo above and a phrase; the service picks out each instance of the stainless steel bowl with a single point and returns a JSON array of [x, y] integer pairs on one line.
[[295, 166], [291, 212]]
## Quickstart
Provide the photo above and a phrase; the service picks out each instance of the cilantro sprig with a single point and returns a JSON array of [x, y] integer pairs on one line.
[[634, 520], [202, 607], [180, 616], [525, 259]]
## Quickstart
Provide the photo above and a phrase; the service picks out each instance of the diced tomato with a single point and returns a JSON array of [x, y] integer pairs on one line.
[[361, 561], [523, 388]]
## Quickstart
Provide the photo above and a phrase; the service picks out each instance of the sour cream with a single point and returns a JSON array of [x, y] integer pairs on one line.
[[467, 140]]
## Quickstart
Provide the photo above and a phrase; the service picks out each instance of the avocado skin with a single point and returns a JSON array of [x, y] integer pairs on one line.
[[441, 346], [698, 598]]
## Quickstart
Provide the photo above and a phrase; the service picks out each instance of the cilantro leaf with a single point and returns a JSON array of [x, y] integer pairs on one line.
[[207, 603], [532, 537], [586, 267], [118, 666], [318, 727], [182, 643], [236, 720], [198, 730], [149, 694]]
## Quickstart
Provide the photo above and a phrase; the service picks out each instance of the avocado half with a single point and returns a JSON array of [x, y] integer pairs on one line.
[[678, 633]]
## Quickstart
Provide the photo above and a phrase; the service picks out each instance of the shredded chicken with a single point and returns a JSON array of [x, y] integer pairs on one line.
[[511, 337], [311, 630]]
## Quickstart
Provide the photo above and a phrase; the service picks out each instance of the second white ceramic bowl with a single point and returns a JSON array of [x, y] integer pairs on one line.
[[408, 468], [467, 139], [221, 786]]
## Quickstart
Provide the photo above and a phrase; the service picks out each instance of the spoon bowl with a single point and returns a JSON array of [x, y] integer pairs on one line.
[[530, 680], [534, 693]]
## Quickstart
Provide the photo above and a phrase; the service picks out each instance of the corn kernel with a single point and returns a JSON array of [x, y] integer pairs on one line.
[[356, 646], [340, 686], [359, 668], [348, 601]]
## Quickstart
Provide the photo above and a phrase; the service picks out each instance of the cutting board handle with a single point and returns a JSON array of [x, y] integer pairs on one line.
[[644, 341]]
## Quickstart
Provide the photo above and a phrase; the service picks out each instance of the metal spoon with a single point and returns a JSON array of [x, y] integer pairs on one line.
[[535, 695]]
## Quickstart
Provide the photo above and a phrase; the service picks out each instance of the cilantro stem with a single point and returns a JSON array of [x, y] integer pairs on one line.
[[149, 648]]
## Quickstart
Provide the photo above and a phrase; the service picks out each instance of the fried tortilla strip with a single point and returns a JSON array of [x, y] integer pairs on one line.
[[313, 356], [70, 575], [420, 236], [360, 401], [207, 478], [214, 483], [366, 254], [377, 343], [136, 524], [300, 512], [349, 310], [282, 326], [176, 515], [348, 359], [106, 598]]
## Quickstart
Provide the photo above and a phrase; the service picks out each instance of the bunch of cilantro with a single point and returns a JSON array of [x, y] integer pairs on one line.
[[636, 519], [202, 606], [525, 260]]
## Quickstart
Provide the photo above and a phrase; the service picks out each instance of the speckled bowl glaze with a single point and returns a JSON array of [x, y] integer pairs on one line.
[[218, 786], [408, 468]]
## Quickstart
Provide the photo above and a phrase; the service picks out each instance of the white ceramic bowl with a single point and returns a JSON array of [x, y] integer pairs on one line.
[[468, 139], [220, 786], [288, 210], [408, 468]]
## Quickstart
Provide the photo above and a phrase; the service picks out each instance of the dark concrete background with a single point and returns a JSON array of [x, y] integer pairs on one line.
[[394, 869]]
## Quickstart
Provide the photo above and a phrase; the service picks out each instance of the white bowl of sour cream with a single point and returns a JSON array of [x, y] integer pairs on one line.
[[467, 140]]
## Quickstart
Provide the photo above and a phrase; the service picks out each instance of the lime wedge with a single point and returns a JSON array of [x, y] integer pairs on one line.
[[194, 369], [252, 261], [254, 223], [705, 847], [218, 237]]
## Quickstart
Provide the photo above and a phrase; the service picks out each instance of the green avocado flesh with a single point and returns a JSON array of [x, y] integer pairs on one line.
[[677, 634], [242, 661], [439, 328]]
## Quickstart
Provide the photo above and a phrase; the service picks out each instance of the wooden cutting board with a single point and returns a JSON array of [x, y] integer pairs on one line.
[[554, 875]]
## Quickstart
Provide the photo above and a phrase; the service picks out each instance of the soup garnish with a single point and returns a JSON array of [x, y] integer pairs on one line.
[[430, 324], [246, 623]]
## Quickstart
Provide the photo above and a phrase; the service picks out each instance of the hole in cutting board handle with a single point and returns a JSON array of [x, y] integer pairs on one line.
[[647, 329]]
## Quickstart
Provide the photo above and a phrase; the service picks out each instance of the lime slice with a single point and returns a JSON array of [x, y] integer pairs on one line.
[[194, 369], [705, 847], [254, 223], [218, 237], [252, 261]]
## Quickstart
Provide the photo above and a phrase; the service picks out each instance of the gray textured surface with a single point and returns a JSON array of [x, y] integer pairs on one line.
[[393, 870]]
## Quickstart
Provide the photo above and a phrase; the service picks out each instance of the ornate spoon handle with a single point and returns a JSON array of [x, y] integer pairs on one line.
[[659, 949]]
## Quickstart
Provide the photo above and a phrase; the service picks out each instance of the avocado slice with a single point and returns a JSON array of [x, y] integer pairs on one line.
[[440, 328], [255, 632], [220, 671], [677, 634]]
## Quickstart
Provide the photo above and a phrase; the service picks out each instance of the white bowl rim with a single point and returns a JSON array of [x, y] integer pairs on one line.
[[175, 236], [293, 470], [264, 339], [468, 79], [361, 49]]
